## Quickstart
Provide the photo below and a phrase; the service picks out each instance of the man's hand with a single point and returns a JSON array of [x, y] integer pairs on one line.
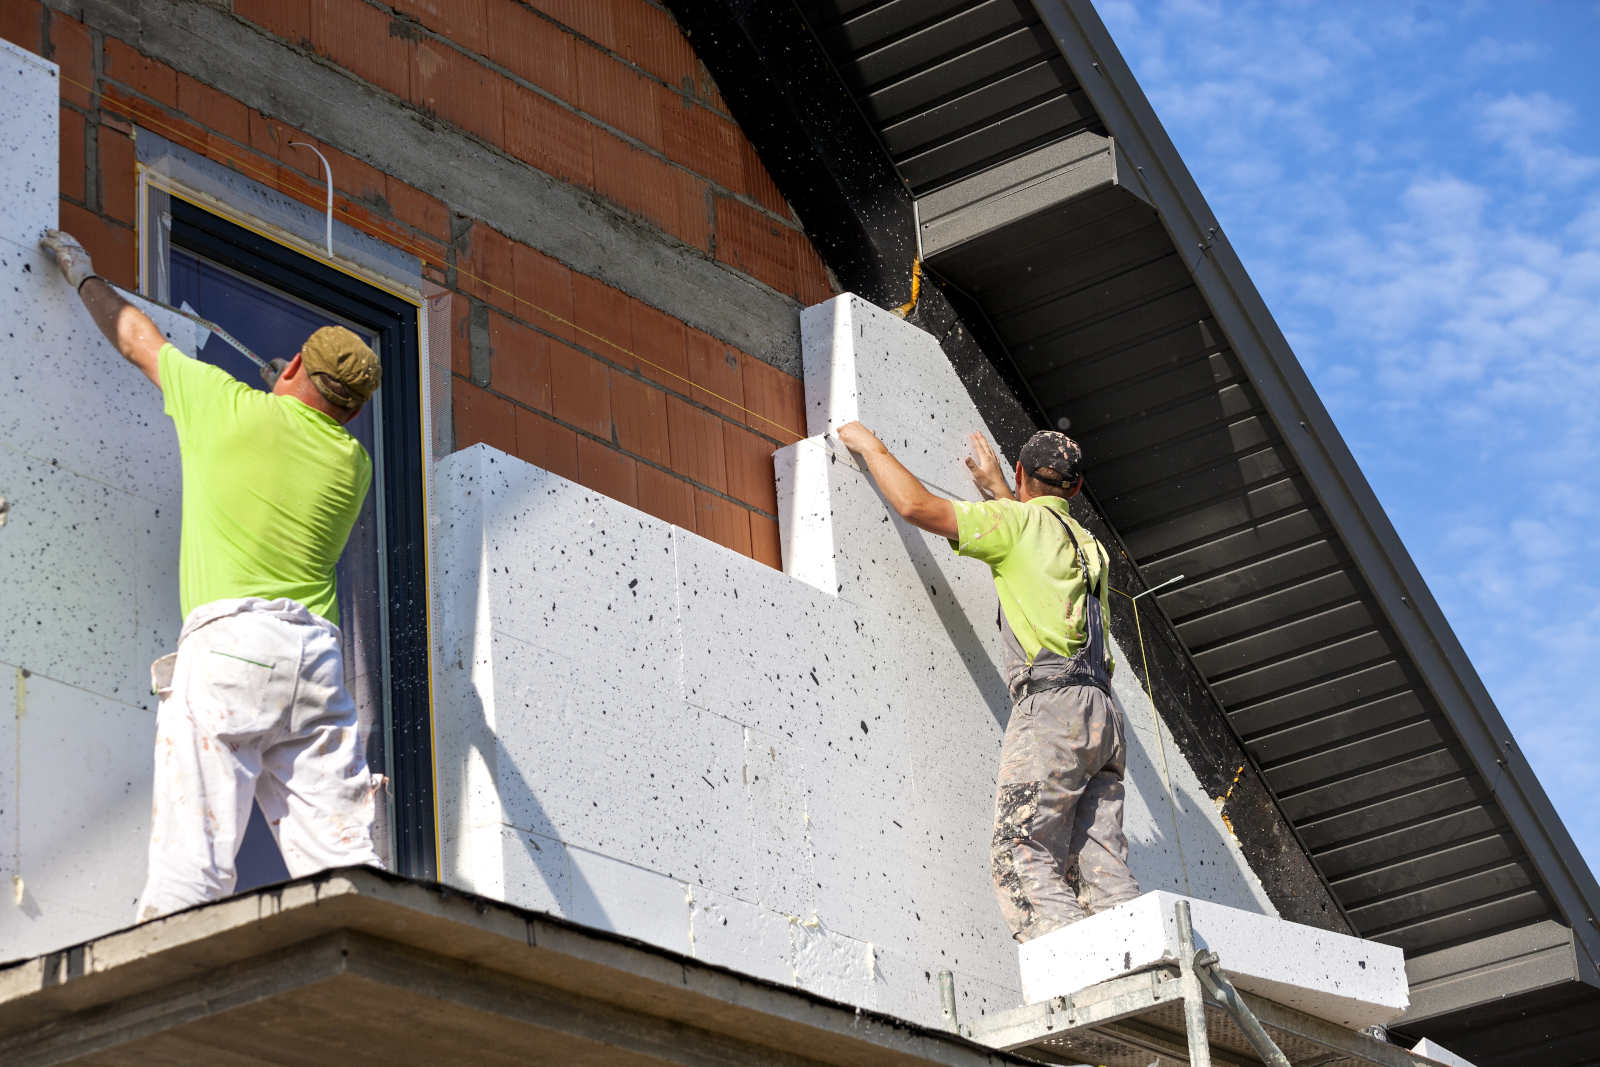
[[125, 326], [272, 372], [858, 439], [984, 466], [70, 256]]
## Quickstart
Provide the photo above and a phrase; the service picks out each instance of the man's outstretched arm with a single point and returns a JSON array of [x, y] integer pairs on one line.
[[905, 493], [125, 326]]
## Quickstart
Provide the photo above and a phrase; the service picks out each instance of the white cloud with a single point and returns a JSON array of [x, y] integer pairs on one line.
[[1516, 118], [1525, 126], [1493, 51]]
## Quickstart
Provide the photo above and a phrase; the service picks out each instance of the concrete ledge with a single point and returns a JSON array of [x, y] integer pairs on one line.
[[411, 972], [1331, 976]]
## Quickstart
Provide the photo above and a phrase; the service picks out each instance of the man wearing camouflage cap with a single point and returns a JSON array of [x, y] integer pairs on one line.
[[253, 703], [1058, 850]]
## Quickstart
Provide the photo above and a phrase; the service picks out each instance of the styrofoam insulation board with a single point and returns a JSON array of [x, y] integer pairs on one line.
[[863, 362], [1343, 979], [30, 177], [92, 478], [1439, 1054], [822, 760], [88, 564], [80, 851]]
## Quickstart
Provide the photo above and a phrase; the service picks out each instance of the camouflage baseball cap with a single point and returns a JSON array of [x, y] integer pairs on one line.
[[1053, 458], [342, 367]]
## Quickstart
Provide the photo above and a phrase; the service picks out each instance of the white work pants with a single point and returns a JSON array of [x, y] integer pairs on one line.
[[257, 711]]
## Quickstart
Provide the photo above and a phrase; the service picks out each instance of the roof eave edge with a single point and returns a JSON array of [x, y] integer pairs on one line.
[[1352, 506]]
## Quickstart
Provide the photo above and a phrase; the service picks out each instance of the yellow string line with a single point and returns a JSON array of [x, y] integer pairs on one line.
[[422, 252], [1161, 741]]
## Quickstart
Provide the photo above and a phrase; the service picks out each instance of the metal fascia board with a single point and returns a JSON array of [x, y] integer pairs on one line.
[[1524, 960], [1014, 190], [1340, 486]]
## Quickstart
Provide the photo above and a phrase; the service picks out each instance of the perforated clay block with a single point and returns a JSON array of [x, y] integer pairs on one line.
[[1343, 979]]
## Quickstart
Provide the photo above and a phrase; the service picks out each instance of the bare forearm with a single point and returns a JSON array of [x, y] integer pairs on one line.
[[130, 330], [906, 494], [902, 489]]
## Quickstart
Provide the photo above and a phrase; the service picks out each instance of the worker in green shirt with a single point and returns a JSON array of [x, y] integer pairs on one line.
[[1058, 850], [253, 703]]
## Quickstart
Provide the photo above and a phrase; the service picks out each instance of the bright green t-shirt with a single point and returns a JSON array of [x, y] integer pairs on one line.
[[1035, 569], [271, 489]]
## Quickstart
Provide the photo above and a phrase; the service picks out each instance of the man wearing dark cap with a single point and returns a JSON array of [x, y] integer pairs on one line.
[[253, 704], [1058, 850]]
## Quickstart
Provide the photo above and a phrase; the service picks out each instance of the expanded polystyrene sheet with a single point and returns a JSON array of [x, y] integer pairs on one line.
[[30, 177], [791, 773], [1343, 979], [88, 564], [862, 362], [80, 848], [674, 799], [80, 405]]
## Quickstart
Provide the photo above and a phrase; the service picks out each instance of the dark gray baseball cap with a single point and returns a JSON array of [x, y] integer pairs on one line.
[[1053, 458]]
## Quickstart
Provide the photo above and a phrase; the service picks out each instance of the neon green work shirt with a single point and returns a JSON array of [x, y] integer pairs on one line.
[[271, 489], [1035, 569]]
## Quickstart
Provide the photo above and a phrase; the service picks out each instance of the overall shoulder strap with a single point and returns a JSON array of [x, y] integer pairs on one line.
[[1083, 564]]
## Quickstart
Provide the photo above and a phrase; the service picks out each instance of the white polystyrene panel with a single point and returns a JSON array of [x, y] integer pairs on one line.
[[864, 363], [83, 791], [611, 895], [535, 871], [674, 795], [30, 178], [1344, 979], [872, 880], [1212, 859], [90, 577], [782, 879], [1439, 1054], [13, 693], [759, 642], [843, 729], [905, 988], [544, 539], [746, 937], [80, 405], [832, 964], [465, 750], [805, 519]]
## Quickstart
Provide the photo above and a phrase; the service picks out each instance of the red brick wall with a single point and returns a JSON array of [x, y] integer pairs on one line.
[[605, 95]]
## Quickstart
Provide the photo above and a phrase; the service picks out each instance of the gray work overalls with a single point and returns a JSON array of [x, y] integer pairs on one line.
[[1058, 804]]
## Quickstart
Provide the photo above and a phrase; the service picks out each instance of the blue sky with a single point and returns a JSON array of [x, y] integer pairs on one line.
[[1415, 189]]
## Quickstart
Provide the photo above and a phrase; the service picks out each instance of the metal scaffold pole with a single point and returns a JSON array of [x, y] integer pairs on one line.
[[1194, 998]]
